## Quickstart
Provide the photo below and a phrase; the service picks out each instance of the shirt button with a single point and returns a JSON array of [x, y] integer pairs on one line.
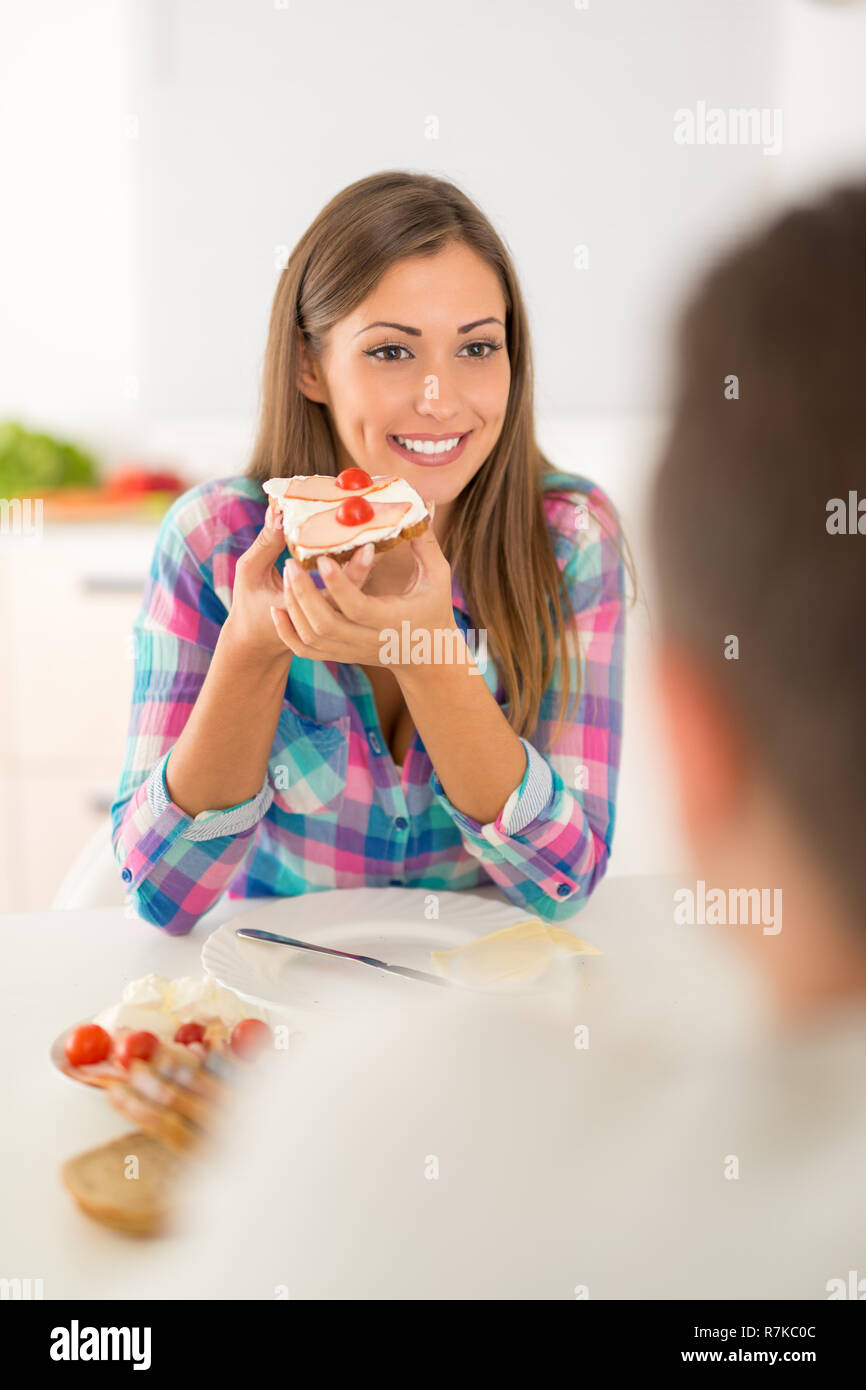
[[401, 822], [563, 890], [126, 875], [374, 740]]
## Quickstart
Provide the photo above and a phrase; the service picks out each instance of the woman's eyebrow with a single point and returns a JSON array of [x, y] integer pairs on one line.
[[468, 327], [401, 327], [416, 332]]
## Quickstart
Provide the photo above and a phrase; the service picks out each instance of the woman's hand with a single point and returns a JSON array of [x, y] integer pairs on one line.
[[341, 623], [258, 587]]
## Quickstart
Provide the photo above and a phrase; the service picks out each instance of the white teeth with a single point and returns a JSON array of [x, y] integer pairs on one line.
[[428, 446]]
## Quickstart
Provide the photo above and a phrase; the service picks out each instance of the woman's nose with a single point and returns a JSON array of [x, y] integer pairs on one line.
[[438, 397]]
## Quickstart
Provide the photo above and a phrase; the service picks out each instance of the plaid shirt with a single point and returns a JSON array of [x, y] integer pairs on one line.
[[334, 810]]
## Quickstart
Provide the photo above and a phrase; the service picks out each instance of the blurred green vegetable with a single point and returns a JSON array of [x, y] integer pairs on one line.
[[31, 463]]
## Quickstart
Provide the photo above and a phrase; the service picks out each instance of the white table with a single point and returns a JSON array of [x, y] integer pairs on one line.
[[60, 967]]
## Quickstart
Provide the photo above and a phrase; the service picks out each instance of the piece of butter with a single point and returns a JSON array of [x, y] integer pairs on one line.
[[521, 952], [202, 1000], [147, 992]]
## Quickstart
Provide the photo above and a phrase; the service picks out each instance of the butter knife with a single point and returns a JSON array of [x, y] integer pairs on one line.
[[252, 935]]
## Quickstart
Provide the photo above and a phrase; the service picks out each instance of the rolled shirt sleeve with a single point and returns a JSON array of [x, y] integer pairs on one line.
[[208, 825], [532, 796]]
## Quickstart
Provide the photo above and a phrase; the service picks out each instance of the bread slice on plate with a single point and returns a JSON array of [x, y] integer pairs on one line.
[[126, 1184], [334, 516]]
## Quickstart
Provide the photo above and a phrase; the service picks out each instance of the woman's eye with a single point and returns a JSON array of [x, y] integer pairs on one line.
[[487, 346], [388, 348], [478, 350]]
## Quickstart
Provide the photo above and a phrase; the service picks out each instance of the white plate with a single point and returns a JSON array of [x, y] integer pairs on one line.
[[388, 923]]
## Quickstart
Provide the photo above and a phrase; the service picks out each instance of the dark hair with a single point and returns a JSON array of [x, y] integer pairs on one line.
[[741, 519]]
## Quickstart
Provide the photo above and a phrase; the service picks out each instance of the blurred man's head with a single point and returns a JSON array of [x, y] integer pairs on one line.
[[763, 599]]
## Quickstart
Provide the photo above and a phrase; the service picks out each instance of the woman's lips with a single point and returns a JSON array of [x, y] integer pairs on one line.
[[429, 460]]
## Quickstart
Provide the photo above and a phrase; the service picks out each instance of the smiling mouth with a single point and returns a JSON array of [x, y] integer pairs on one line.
[[436, 448]]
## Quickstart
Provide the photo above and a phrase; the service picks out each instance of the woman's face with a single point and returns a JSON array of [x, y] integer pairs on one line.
[[422, 360]]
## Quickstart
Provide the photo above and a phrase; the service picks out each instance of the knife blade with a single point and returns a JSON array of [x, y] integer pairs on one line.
[[252, 934]]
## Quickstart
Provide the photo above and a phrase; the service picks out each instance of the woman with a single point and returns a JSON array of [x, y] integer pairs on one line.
[[274, 747]]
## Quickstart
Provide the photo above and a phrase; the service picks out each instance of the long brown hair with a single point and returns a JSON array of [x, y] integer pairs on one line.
[[523, 604]]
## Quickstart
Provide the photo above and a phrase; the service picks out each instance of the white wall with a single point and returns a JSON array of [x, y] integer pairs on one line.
[[619, 450], [157, 157], [558, 120], [822, 88], [69, 303], [162, 153]]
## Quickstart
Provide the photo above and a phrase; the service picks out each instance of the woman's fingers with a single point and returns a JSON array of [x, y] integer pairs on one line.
[[356, 569], [358, 566], [315, 617], [293, 608], [285, 628], [274, 519], [345, 590], [291, 637], [268, 544]]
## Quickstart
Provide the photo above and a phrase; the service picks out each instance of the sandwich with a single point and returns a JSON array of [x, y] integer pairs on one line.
[[325, 515]]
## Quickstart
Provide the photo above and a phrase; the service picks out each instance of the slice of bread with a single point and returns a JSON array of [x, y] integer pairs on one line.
[[134, 1197]]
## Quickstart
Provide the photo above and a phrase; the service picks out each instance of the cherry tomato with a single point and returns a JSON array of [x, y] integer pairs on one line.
[[353, 478], [189, 1033], [134, 1045], [354, 511], [249, 1037], [87, 1044]]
